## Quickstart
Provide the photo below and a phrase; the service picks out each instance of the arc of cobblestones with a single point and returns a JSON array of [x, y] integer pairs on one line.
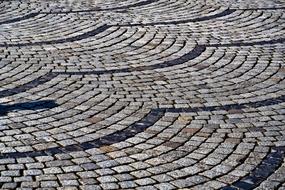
[[196, 52], [131, 131], [27, 86], [263, 171], [136, 128], [101, 29], [31, 15], [218, 15]]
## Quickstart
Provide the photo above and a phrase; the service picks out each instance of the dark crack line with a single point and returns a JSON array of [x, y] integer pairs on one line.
[[139, 4], [262, 9], [240, 44], [125, 8], [267, 167], [18, 19], [64, 40], [72, 11], [205, 18], [266, 102]]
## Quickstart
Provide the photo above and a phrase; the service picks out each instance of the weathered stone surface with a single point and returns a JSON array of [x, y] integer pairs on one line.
[[142, 94]]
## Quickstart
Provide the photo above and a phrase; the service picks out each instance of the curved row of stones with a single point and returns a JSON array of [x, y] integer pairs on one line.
[[144, 94]]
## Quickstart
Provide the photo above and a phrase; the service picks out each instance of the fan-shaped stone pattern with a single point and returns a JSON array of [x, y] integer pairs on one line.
[[144, 94]]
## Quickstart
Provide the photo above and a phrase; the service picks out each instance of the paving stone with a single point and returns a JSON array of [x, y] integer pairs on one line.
[[142, 94]]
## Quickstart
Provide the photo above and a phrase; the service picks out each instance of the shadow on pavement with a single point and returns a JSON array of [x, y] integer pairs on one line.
[[33, 105]]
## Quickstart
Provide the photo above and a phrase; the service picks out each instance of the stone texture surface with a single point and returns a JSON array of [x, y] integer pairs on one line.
[[142, 94]]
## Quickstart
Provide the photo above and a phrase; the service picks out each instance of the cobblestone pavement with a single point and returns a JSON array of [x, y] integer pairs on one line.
[[142, 94]]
